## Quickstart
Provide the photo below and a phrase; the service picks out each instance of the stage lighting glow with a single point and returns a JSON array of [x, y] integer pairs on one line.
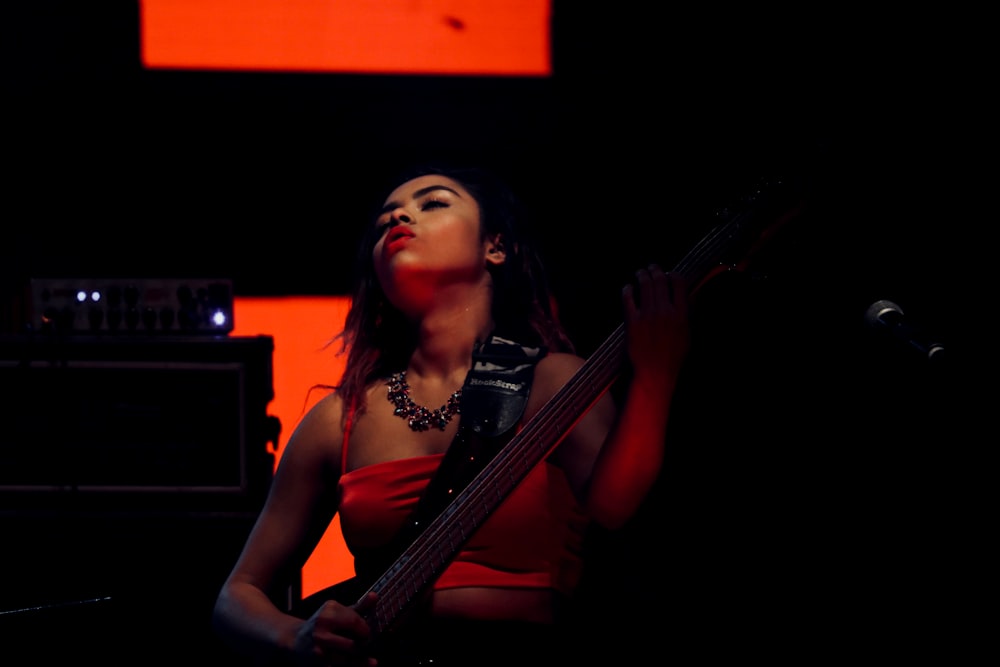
[[456, 37]]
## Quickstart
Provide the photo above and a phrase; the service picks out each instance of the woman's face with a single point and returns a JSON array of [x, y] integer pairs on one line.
[[429, 236]]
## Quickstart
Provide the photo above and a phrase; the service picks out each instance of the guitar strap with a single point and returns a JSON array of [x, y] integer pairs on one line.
[[493, 399]]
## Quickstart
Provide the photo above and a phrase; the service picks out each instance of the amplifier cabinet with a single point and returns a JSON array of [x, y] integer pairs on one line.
[[132, 423]]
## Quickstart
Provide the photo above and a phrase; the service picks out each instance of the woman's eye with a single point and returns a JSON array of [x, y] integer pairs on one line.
[[434, 203]]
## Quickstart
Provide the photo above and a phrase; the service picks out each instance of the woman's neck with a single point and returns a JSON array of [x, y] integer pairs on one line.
[[447, 336]]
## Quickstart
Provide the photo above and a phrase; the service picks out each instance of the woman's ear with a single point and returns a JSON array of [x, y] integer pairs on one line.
[[495, 251]]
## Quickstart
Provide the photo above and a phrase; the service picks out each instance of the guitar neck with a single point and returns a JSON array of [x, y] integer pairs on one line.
[[431, 551]]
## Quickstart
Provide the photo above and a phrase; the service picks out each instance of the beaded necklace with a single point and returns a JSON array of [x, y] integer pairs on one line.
[[419, 417]]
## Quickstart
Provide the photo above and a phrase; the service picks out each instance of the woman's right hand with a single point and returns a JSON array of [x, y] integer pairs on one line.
[[336, 634]]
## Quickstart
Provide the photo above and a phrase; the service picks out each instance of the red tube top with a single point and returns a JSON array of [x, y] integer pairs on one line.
[[532, 540]]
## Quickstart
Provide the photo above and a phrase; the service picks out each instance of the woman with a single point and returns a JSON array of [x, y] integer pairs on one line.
[[443, 267]]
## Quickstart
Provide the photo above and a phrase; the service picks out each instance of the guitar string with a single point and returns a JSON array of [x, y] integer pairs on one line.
[[421, 557]]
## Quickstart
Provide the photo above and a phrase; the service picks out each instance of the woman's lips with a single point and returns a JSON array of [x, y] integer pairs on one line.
[[398, 237]]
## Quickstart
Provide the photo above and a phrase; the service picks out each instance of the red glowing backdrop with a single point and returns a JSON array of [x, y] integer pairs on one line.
[[460, 37], [301, 327]]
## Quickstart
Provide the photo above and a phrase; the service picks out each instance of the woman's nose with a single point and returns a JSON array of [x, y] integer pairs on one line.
[[400, 215]]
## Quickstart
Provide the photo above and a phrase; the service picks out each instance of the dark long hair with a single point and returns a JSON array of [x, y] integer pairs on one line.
[[379, 340]]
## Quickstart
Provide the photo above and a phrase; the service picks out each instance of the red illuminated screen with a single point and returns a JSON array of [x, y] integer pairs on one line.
[[445, 37], [301, 328]]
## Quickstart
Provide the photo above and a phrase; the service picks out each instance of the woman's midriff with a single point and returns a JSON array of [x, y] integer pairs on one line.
[[495, 604]]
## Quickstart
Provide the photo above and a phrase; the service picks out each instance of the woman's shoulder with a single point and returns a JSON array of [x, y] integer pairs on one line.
[[329, 406], [554, 370], [321, 423], [559, 363]]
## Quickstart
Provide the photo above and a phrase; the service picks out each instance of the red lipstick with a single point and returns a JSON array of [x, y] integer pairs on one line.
[[397, 236]]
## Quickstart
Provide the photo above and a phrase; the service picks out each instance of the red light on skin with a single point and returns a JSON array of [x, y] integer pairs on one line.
[[397, 245], [443, 37]]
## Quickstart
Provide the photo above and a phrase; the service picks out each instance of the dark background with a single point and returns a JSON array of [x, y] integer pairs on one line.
[[646, 127], [815, 465]]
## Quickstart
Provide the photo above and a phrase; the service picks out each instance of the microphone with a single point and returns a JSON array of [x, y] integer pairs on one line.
[[884, 315]]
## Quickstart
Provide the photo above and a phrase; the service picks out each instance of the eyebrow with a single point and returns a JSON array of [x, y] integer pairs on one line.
[[417, 195]]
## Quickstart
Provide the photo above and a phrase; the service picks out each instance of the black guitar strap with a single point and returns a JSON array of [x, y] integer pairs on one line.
[[493, 399]]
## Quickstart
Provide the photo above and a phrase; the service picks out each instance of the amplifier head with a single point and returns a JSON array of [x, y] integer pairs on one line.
[[126, 306]]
